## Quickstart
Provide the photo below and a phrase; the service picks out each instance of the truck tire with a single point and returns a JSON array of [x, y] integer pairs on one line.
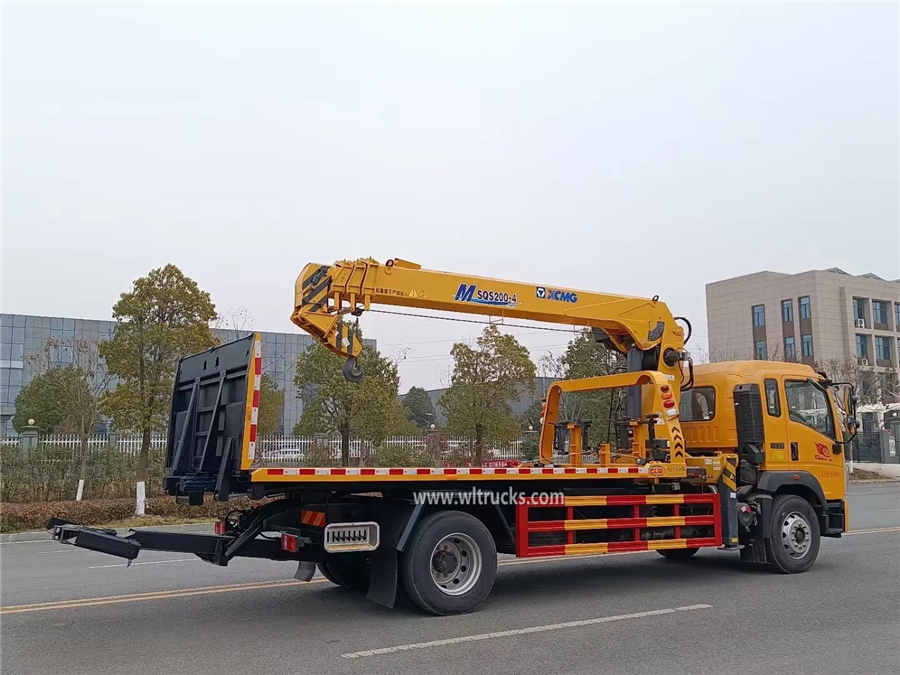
[[794, 538], [450, 563], [677, 553], [348, 571]]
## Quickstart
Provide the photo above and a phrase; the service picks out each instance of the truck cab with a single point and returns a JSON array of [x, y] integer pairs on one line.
[[789, 425]]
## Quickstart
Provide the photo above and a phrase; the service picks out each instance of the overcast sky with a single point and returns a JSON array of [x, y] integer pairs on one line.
[[639, 149]]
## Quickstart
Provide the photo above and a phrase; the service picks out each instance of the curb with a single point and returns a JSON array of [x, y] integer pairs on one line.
[[45, 536], [856, 481]]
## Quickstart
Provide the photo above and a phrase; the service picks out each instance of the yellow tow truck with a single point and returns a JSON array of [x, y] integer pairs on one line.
[[744, 456]]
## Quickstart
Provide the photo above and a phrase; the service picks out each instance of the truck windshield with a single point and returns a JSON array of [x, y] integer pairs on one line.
[[698, 404]]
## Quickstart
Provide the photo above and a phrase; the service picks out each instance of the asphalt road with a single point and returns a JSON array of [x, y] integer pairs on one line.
[[70, 611]]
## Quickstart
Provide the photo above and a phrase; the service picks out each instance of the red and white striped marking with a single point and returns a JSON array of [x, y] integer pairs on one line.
[[455, 471], [254, 411]]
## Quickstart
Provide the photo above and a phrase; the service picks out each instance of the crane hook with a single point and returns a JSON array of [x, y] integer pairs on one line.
[[353, 371]]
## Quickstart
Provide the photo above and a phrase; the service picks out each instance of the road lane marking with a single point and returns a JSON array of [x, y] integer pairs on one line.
[[148, 562], [68, 550], [185, 592], [874, 530], [161, 595], [204, 590], [522, 631]]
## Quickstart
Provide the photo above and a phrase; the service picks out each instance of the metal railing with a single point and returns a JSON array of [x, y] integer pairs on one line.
[[867, 447]]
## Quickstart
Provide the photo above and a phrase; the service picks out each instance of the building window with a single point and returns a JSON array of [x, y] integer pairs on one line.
[[761, 350], [882, 348], [759, 315], [805, 312], [806, 345], [879, 312], [787, 311], [789, 350], [859, 312], [862, 347], [773, 403], [897, 316]]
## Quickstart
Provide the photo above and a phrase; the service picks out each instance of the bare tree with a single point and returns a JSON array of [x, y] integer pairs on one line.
[[237, 319], [863, 378]]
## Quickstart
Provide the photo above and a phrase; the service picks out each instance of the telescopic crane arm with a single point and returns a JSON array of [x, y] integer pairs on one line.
[[643, 329]]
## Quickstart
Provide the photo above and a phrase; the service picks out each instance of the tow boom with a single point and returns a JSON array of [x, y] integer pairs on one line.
[[642, 328]]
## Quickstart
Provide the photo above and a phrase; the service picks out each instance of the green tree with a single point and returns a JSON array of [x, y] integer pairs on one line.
[[532, 416], [38, 400], [485, 380], [70, 379], [271, 405], [585, 357], [419, 408], [334, 405], [164, 317]]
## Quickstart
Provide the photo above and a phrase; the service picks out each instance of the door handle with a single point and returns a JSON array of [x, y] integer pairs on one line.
[[795, 451]]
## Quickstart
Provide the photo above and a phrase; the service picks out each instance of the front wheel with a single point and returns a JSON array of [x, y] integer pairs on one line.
[[450, 563], [794, 538]]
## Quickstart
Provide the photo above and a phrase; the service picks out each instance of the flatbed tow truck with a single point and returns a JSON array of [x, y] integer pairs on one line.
[[744, 456]]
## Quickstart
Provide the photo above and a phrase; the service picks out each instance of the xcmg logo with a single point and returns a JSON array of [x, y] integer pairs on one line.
[[545, 293], [471, 293]]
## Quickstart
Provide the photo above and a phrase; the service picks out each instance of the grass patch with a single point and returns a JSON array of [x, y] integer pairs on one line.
[[29, 517], [152, 521], [865, 474]]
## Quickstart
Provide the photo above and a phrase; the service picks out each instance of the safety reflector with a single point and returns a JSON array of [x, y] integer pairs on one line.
[[289, 543], [221, 527]]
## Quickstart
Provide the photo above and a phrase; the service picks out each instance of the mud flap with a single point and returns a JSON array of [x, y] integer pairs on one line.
[[305, 570], [383, 577]]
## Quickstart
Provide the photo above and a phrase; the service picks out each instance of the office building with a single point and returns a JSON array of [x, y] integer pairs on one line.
[[22, 334], [818, 317]]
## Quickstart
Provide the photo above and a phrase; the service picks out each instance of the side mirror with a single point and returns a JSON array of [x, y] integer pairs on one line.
[[852, 425]]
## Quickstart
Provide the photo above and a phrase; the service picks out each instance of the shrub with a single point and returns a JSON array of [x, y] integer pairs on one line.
[[530, 448], [15, 517], [461, 455], [402, 455], [320, 453], [50, 471]]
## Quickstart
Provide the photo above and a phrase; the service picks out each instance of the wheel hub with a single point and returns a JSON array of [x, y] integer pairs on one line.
[[796, 535], [445, 562], [456, 564]]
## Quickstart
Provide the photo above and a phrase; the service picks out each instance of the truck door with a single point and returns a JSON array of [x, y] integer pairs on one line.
[[811, 434], [778, 447]]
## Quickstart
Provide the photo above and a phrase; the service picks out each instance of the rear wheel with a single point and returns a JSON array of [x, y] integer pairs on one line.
[[677, 553], [450, 563], [347, 570], [794, 538]]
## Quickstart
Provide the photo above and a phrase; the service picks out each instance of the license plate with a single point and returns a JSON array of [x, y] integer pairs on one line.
[[343, 537]]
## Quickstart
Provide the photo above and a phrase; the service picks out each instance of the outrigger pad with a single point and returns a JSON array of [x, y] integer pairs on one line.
[[305, 570]]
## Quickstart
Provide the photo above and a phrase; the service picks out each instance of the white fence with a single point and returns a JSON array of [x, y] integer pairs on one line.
[[128, 445], [285, 448]]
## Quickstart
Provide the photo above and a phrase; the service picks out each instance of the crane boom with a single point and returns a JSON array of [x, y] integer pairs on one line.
[[642, 328]]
